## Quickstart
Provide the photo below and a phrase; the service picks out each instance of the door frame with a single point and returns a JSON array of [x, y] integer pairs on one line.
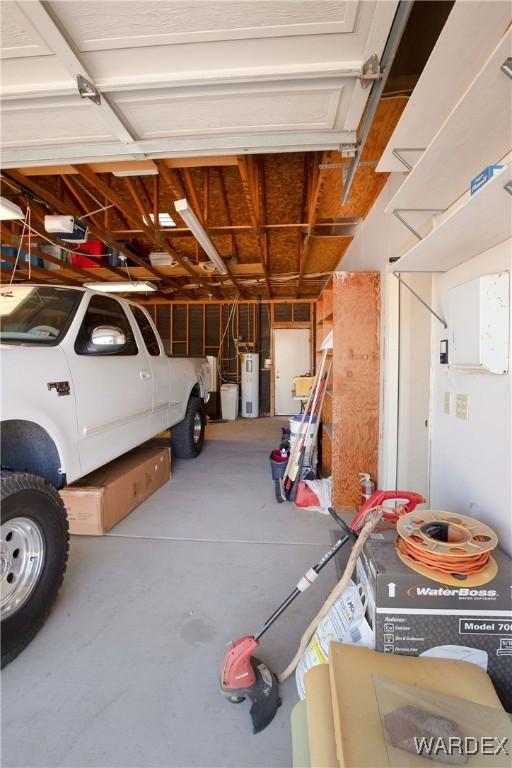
[[390, 389], [287, 326]]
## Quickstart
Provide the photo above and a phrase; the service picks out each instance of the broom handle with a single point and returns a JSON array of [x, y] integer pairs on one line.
[[371, 521], [293, 451], [318, 418]]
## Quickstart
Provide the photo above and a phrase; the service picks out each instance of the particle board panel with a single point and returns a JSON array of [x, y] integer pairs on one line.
[[367, 184], [326, 452], [355, 412], [283, 201], [325, 254]]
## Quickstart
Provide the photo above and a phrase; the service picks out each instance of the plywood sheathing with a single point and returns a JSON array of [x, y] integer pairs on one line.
[[355, 406], [367, 184], [284, 190]]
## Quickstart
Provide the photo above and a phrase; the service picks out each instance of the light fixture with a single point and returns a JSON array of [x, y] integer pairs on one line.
[[9, 210], [164, 220], [202, 237], [122, 286], [135, 172]]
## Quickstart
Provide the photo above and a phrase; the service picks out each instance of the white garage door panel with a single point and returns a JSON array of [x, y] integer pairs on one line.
[[283, 71], [74, 122], [98, 25], [234, 111], [17, 36]]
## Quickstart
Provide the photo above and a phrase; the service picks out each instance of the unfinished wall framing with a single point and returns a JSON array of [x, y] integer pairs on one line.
[[217, 328]]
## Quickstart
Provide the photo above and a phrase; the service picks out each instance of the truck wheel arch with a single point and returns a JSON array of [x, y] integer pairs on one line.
[[27, 447]]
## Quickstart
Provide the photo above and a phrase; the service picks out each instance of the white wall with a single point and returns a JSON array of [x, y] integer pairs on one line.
[[403, 462], [414, 385], [471, 461]]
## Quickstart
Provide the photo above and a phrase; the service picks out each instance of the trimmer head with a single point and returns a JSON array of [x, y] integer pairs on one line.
[[243, 676]]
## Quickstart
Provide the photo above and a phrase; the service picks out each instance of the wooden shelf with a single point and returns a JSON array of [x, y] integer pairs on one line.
[[471, 32], [482, 222], [475, 134]]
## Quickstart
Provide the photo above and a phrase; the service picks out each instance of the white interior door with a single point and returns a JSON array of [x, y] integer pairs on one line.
[[291, 358]]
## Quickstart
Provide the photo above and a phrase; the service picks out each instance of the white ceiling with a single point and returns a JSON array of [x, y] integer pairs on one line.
[[183, 77]]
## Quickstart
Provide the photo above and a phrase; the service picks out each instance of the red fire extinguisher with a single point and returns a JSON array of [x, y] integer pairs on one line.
[[367, 486]]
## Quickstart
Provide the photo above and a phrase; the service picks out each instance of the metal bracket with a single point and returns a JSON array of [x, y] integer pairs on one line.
[[334, 166], [400, 218], [417, 296], [396, 153], [508, 187], [371, 71], [506, 67], [87, 90]]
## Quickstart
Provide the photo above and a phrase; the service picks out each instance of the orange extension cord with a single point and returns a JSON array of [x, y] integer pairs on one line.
[[465, 564]]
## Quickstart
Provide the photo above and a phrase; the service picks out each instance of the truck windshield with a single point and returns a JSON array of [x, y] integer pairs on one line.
[[36, 314]]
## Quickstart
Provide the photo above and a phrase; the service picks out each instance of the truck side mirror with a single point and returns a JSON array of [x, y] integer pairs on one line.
[[108, 338]]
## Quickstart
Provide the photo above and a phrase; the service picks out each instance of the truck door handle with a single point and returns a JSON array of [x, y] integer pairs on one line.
[[145, 374]]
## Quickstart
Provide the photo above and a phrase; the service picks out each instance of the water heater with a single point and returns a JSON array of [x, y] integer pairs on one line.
[[250, 384]]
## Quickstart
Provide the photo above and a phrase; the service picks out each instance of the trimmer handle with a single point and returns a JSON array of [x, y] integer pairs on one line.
[[378, 498]]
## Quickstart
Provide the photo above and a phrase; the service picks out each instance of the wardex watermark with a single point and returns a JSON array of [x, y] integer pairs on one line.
[[469, 745]]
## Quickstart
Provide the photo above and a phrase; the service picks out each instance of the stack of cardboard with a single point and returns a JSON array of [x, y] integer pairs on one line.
[[339, 725], [98, 501]]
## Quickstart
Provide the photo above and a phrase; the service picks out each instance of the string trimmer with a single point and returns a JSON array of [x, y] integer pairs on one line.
[[243, 675]]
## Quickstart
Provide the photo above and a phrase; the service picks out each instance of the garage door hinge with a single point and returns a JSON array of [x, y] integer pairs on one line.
[[371, 71], [87, 90]]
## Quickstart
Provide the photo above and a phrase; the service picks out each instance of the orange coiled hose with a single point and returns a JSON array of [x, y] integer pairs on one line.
[[463, 564]]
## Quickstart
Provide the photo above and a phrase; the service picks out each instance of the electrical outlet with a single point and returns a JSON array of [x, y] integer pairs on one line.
[[447, 408], [462, 407]]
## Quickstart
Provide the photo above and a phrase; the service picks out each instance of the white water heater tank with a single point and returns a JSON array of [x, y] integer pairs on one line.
[[250, 384]]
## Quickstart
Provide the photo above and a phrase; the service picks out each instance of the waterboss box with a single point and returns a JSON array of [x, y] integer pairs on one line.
[[416, 616]]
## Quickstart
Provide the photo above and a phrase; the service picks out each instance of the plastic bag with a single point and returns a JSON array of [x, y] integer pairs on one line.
[[322, 489], [419, 725], [344, 623]]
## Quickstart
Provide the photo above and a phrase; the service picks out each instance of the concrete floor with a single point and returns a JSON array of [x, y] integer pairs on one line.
[[125, 671]]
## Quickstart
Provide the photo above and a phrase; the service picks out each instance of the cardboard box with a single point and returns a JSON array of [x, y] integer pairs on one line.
[[98, 501], [416, 616]]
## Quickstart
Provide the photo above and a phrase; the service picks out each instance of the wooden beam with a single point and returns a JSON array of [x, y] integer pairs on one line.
[[246, 169], [202, 216], [100, 233], [39, 213], [175, 190], [225, 203], [48, 274], [192, 195], [316, 188], [77, 196], [151, 233]]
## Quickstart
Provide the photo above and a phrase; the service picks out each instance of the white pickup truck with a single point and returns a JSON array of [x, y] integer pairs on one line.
[[84, 379]]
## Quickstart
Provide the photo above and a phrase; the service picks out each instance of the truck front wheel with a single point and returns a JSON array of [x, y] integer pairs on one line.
[[187, 437], [34, 542]]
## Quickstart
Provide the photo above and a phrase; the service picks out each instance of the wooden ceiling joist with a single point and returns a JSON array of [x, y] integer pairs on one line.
[[174, 187], [38, 272], [131, 214], [70, 210], [315, 190], [247, 167]]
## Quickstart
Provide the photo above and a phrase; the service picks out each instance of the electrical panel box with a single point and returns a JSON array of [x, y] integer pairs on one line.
[[479, 321]]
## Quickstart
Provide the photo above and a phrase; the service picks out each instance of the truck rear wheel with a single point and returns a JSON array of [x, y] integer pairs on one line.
[[187, 437], [34, 542]]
